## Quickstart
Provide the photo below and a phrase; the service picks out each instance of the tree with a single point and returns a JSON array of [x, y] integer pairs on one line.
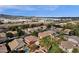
[[20, 32], [33, 47], [34, 33], [54, 48], [10, 35], [71, 33], [27, 26], [49, 26], [13, 28], [46, 42], [75, 50], [69, 26], [76, 31], [1, 22], [33, 25], [58, 26], [61, 36]]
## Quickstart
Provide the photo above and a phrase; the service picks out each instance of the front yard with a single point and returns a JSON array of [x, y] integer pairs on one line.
[[50, 44], [54, 48]]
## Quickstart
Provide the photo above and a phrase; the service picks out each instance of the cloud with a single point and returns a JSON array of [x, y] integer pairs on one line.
[[52, 8], [22, 9], [29, 7]]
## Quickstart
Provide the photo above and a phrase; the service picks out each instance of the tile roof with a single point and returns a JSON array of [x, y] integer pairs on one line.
[[13, 32], [3, 48], [67, 44], [2, 35], [13, 45], [74, 38], [43, 34], [16, 43], [67, 31], [30, 39], [3, 39]]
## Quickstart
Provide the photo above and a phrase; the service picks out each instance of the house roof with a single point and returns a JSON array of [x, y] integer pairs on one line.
[[16, 43], [26, 31], [13, 32], [74, 38], [67, 31], [3, 48], [58, 29], [30, 39], [67, 44], [3, 29], [13, 45], [46, 33], [3, 39], [20, 41], [2, 34]]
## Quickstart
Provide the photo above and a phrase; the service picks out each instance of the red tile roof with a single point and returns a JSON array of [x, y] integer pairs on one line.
[[30, 39], [3, 48], [43, 34]]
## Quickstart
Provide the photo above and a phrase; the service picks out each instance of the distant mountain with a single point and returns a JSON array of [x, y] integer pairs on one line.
[[31, 17], [14, 17]]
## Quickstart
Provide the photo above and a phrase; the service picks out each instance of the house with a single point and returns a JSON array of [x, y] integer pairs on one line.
[[3, 48], [67, 46], [74, 39], [13, 32], [30, 29], [53, 28], [33, 29], [62, 24], [71, 22], [43, 27], [42, 21], [54, 33], [66, 31], [44, 34], [2, 34], [36, 28], [3, 29], [2, 37], [39, 28], [26, 31], [30, 39], [58, 29], [16, 44], [57, 38]]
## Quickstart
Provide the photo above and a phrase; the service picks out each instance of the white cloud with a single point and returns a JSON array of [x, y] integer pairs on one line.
[[26, 7], [52, 8], [22, 8], [18, 7]]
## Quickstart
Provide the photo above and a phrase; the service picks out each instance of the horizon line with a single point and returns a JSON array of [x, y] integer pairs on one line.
[[37, 16]]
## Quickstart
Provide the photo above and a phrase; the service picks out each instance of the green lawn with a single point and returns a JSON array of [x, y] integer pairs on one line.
[[54, 49], [46, 42], [50, 44]]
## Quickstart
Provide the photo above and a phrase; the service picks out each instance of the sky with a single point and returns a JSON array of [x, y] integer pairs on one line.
[[40, 10]]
